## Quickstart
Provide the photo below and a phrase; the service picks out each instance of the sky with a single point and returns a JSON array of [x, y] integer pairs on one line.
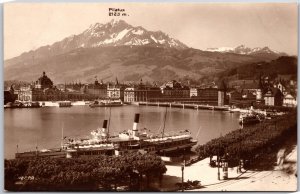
[[27, 26]]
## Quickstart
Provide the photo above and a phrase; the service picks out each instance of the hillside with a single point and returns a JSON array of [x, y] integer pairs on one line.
[[284, 65], [130, 63], [117, 49]]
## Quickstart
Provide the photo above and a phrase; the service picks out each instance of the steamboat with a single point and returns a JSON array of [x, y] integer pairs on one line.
[[132, 140], [106, 103]]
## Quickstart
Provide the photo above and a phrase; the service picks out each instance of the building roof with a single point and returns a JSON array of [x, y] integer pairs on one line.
[[289, 96], [246, 84], [272, 92]]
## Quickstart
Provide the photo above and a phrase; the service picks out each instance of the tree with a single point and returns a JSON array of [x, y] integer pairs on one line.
[[85, 174]]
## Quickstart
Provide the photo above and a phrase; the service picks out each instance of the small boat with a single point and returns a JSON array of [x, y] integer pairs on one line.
[[247, 119], [19, 104], [106, 103], [64, 104]]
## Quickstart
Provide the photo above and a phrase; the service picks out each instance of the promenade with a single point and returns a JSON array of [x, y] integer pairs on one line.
[[184, 105], [279, 179]]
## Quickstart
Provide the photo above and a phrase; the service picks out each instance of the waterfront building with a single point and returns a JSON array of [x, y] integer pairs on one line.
[[129, 95], [41, 90], [73, 87], [115, 91], [281, 86], [222, 90], [244, 98], [259, 96], [75, 96], [48, 94], [289, 100], [43, 82], [208, 95], [9, 95], [172, 84], [174, 89], [153, 93], [183, 92], [252, 86], [221, 98], [273, 97], [193, 92], [25, 93], [96, 90], [141, 93]]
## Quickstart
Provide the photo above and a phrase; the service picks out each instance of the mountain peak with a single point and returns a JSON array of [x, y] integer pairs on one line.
[[114, 22], [119, 33], [241, 46], [244, 50]]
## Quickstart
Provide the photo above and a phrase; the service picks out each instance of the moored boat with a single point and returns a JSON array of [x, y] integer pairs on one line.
[[106, 103], [250, 118], [64, 104], [19, 104]]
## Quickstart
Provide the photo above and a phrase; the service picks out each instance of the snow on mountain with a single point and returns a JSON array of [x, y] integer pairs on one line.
[[113, 33], [138, 32], [243, 50], [220, 49], [118, 33]]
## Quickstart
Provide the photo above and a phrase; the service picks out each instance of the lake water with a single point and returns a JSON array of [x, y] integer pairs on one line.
[[43, 126]]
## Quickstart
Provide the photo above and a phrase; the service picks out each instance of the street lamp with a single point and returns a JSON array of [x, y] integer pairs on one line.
[[182, 176], [239, 168], [225, 166], [218, 159]]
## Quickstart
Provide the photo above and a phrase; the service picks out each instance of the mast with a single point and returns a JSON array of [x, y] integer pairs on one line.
[[108, 123], [36, 148], [163, 132], [62, 136]]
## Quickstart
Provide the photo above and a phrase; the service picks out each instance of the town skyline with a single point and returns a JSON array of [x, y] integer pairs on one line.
[[150, 97], [255, 25]]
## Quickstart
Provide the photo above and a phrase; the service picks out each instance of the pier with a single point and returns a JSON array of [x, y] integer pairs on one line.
[[183, 105]]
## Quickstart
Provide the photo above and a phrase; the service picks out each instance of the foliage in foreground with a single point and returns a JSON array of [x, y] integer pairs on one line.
[[252, 141], [88, 174]]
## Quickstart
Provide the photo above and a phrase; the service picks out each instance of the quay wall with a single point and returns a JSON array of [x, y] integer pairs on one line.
[[183, 105]]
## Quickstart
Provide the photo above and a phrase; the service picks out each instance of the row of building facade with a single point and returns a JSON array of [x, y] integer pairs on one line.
[[44, 90]]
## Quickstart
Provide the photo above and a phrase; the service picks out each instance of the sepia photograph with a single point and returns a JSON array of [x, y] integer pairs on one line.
[[150, 97]]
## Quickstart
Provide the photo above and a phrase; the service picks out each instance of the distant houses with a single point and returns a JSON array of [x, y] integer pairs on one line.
[[289, 100], [265, 92], [242, 92]]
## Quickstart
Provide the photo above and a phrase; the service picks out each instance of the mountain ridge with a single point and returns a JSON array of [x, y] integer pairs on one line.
[[128, 63], [113, 33], [242, 49], [117, 49]]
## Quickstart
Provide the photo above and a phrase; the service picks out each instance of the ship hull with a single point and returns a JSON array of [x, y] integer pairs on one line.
[[109, 151], [105, 105]]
